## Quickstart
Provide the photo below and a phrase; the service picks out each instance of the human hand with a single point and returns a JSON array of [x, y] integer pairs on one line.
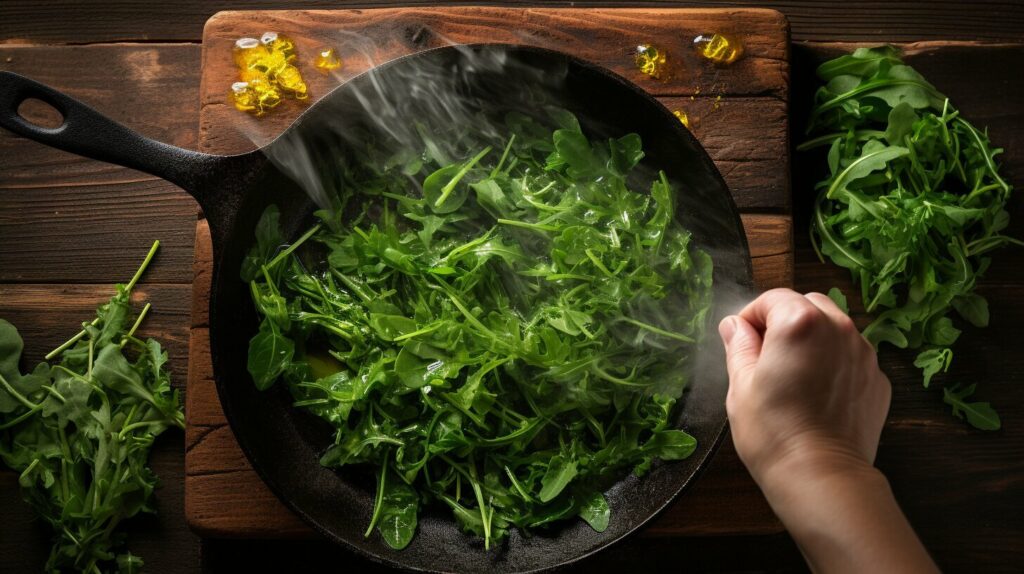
[[805, 391]]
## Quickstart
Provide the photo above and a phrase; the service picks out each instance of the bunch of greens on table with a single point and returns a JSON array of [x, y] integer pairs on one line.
[[914, 206], [503, 334], [79, 428]]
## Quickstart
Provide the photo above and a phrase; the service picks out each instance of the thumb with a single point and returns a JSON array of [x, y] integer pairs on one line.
[[742, 347]]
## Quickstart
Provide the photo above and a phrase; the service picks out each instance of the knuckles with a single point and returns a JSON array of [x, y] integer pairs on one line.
[[798, 321]]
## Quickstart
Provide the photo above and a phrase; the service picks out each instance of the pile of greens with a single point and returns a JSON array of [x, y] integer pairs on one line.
[[79, 429], [913, 207], [504, 334]]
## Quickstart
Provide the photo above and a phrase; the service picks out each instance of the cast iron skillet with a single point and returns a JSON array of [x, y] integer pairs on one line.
[[284, 444]]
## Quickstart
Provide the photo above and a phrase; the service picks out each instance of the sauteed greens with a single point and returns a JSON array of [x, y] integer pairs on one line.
[[504, 335], [914, 207], [79, 428]]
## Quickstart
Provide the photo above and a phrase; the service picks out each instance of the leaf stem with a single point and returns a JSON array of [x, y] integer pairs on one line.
[[14, 393], [450, 186], [127, 288]]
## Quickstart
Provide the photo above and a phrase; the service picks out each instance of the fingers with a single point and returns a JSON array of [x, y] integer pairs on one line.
[[742, 348], [778, 307]]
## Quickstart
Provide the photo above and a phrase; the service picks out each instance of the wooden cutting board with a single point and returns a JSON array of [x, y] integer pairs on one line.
[[738, 113]]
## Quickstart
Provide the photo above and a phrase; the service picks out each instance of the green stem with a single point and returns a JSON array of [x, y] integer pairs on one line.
[[504, 155], [291, 248], [534, 226], [128, 288], [379, 499], [829, 138], [450, 186], [662, 332], [138, 321], [868, 87], [145, 264], [14, 393], [17, 420], [419, 332]]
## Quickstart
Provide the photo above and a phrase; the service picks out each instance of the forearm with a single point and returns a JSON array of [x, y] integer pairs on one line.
[[845, 520]]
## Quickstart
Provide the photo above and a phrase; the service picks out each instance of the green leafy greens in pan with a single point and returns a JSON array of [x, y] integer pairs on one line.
[[79, 429], [914, 206], [504, 334]]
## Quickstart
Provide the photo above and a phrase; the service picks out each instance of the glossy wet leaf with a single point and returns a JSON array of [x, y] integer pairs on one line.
[[595, 511], [399, 506]]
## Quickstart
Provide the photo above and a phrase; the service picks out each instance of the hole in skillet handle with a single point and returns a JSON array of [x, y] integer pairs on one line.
[[40, 114]]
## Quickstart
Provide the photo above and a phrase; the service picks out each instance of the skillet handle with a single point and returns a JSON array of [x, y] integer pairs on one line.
[[86, 132]]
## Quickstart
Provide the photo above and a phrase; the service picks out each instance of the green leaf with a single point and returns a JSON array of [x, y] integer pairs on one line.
[[863, 62], [901, 123], [839, 299], [671, 445], [884, 331], [973, 308], [128, 563], [933, 361], [595, 511], [399, 506], [10, 351], [861, 168], [626, 152], [269, 355], [574, 155], [268, 239], [942, 332], [979, 415], [112, 370], [10, 355], [560, 472], [412, 370]]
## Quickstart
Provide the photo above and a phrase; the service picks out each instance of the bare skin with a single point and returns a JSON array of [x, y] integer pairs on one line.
[[806, 405]]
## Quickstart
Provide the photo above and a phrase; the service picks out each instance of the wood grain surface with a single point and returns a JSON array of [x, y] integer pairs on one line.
[[738, 113], [77, 22], [962, 490]]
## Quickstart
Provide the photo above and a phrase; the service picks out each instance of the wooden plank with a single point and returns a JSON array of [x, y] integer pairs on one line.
[[47, 315], [748, 156], [607, 37], [59, 21], [67, 219]]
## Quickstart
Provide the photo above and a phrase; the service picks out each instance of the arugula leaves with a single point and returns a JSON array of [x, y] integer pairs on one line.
[[79, 430], [913, 206], [504, 332]]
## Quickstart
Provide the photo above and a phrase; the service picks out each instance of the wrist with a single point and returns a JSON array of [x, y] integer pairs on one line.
[[814, 463]]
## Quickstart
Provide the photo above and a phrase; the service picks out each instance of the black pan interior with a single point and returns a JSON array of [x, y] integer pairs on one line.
[[284, 444]]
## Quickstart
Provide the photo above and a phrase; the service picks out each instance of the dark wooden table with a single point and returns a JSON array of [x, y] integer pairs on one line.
[[70, 227]]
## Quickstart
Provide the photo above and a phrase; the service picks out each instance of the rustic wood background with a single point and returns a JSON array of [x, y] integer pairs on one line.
[[739, 114], [69, 227]]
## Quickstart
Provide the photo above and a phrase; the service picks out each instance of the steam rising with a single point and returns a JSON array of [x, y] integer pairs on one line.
[[464, 98]]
